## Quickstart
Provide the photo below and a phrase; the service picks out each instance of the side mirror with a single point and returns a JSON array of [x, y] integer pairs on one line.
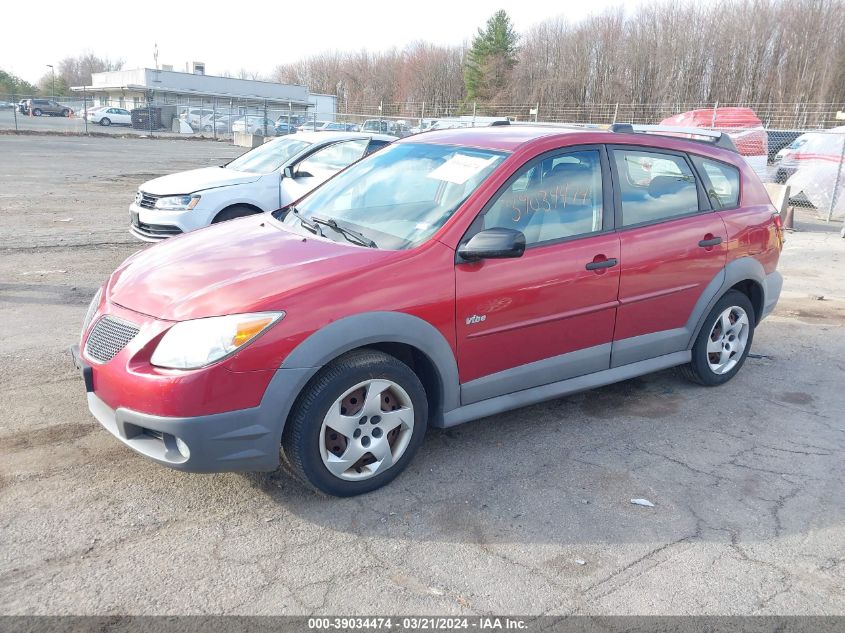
[[496, 243], [287, 172]]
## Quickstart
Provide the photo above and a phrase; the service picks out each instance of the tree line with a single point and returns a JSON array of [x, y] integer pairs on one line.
[[667, 52], [732, 51], [71, 71]]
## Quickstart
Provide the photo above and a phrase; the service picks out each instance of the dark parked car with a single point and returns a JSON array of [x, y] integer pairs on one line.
[[38, 107]]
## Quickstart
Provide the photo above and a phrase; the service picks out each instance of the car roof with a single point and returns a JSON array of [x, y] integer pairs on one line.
[[500, 138], [508, 138], [327, 137]]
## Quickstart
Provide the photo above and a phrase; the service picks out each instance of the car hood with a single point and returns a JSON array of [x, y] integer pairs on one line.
[[197, 180], [246, 265]]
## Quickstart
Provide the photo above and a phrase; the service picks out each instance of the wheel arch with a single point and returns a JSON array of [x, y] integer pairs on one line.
[[408, 338], [745, 274], [250, 205]]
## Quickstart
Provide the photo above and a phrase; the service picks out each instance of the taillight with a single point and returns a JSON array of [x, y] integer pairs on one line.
[[779, 227]]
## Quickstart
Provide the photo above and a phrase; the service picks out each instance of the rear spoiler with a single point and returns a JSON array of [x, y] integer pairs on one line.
[[714, 137]]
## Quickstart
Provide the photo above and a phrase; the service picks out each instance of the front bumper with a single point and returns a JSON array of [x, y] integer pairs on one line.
[[154, 225], [239, 440]]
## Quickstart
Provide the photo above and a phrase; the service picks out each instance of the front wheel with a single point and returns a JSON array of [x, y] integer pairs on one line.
[[37, 112], [357, 424], [724, 341]]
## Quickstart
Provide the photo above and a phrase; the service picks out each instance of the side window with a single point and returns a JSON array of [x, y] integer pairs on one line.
[[557, 198], [654, 186], [333, 158], [721, 182], [375, 146]]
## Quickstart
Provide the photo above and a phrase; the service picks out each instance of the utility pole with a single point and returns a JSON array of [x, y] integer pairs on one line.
[[53, 70]]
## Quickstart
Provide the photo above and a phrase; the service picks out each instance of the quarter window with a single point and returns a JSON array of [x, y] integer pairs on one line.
[[721, 181], [556, 198], [654, 186]]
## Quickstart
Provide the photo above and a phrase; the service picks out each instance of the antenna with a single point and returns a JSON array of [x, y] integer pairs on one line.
[[155, 54]]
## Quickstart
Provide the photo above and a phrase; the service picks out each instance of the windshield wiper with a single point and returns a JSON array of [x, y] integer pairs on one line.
[[308, 224], [351, 236]]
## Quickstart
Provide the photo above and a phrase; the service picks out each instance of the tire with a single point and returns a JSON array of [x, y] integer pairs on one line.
[[371, 450], [206, 128], [37, 112], [65, 113], [236, 211], [722, 345], [105, 121]]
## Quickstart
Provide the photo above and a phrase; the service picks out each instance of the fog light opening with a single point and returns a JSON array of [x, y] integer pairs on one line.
[[183, 448]]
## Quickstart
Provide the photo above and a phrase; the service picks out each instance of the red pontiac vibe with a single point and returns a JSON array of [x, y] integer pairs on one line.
[[450, 276]]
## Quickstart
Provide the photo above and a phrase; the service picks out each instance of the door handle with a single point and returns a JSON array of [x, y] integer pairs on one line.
[[607, 263], [711, 242]]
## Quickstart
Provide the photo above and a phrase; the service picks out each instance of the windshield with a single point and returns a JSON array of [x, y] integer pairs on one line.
[[268, 157], [401, 195]]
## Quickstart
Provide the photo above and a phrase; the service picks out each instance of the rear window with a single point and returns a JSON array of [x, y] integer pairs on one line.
[[654, 186], [721, 182]]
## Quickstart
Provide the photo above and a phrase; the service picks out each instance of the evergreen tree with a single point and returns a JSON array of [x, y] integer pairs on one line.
[[491, 57]]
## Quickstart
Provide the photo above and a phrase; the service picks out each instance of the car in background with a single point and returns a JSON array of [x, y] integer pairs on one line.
[[264, 179], [336, 126], [110, 116], [283, 128], [218, 124], [449, 277], [385, 126], [742, 125], [85, 110], [7, 105], [39, 107], [195, 116], [254, 124], [311, 126], [784, 160]]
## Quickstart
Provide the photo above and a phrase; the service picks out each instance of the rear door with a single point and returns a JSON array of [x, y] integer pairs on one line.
[[547, 315], [672, 243]]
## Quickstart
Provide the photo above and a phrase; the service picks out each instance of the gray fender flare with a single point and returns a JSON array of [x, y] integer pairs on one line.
[[741, 269], [352, 332]]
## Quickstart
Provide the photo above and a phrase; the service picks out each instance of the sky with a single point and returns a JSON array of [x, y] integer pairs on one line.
[[264, 35]]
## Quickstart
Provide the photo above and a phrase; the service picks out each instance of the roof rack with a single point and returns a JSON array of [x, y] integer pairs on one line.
[[719, 139]]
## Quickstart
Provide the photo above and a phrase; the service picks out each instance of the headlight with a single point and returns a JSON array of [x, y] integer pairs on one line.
[[193, 344], [177, 203], [92, 310]]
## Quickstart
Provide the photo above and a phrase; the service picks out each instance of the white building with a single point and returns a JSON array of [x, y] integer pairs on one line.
[[141, 87]]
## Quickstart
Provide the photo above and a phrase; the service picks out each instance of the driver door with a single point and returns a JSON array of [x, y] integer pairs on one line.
[[319, 166], [548, 315]]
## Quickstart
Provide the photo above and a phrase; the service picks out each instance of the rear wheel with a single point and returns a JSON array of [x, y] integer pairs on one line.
[[357, 425], [724, 341], [105, 121], [37, 112], [237, 211]]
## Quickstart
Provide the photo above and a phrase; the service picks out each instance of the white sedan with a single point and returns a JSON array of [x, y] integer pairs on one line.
[[266, 178], [110, 116]]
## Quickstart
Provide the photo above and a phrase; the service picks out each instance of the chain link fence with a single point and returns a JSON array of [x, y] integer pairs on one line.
[[799, 145]]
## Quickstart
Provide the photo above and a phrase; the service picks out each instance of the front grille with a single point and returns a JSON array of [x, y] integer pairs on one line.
[[109, 336], [147, 200], [155, 231]]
